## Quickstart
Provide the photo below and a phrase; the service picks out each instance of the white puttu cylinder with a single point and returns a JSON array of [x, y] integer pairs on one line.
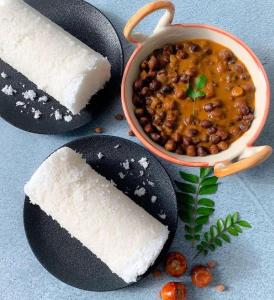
[[118, 231], [50, 57]]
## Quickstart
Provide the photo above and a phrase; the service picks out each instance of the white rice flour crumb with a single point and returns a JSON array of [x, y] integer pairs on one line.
[[121, 175], [140, 191], [58, 115], [143, 162], [43, 99], [8, 90], [151, 183], [4, 75], [100, 155], [113, 182], [67, 118], [29, 94], [162, 215], [125, 165], [153, 199], [36, 113], [20, 103]]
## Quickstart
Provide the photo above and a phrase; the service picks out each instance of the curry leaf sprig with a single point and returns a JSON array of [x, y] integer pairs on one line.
[[219, 233], [194, 91], [194, 208]]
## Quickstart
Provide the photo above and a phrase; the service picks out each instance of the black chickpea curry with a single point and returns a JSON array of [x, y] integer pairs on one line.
[[194, 98]]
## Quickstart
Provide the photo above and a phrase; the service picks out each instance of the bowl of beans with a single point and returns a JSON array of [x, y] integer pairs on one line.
[[195, 95]]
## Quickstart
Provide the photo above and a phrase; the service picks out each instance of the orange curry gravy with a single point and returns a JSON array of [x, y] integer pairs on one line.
[[205, 122]]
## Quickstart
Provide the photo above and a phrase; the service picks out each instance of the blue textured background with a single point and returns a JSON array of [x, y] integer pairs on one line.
[[246, 266]]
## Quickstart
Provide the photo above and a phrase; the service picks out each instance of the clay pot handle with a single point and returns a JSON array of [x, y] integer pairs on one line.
[[252, 157], [166, 20]]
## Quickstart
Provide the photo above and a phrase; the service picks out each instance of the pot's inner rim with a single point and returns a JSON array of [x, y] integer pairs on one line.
[[173, 34]]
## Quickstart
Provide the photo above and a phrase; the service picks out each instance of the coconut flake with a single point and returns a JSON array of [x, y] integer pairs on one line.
[[140, 191], [20, 103], [67, 118], [36, 113], [100, 155], [151, 183], [29, 94], [117, 146], [153, 199], [125, 165], [121, 175], [8, 90], [143, 162], [58, 115], [4, 75], [162, 215], [43, 99]]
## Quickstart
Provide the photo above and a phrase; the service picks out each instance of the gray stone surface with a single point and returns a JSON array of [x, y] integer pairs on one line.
[[246, 266]]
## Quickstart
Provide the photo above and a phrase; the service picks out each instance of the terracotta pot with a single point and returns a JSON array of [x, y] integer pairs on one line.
[[241, 154]]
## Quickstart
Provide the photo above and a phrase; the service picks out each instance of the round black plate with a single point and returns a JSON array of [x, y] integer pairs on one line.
[[89, 25], [65, 257]]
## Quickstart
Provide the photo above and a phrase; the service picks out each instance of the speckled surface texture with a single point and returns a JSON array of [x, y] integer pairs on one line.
[[246, 266]]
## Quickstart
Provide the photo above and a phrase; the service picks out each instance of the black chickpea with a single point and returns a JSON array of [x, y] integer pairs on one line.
[[223, 145], [191, 72], [179, 151], [208, 107], [182, 54], [191, 132], [214, 138], [144, 120], [153, 63], [155, 85], [212, 130], [166, 89], [205, 138], [235, 131], [177, 137], [155, 137], [180, 94], [194, 97], [213, 149], [217, 113], [191, 150], [187, 141], [222, 134], [144, 91], [206, 123], [170, 145], [202, 151], [148, 128], [185, 78], [217, 103], [139, 112]]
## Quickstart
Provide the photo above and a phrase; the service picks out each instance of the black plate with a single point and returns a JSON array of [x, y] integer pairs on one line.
[[65, 257], [88, 24]]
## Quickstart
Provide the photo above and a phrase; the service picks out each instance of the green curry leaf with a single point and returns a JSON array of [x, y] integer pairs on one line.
[[194, 94], [200, 82]]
